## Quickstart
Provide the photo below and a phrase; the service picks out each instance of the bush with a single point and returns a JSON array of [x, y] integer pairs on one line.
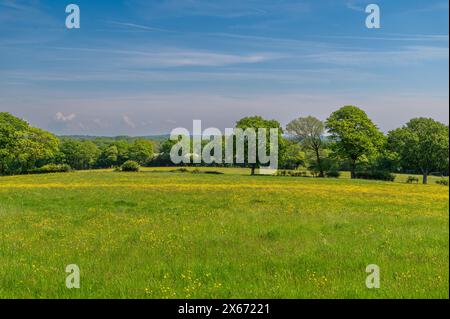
[[51, 168], [333, 174], [294, 173], [376, 175], [130, 166], [282, 173], [442, 182]]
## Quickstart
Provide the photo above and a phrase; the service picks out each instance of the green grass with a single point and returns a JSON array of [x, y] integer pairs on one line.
[[174, 235], [399, 178]]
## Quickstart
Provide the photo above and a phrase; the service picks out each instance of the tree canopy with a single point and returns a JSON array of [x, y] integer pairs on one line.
[[354, 134], [422, 144], [23, 147], [309, 132], [257, 122]]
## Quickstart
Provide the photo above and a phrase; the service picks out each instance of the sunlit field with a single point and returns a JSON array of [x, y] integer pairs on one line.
[[162, 234]]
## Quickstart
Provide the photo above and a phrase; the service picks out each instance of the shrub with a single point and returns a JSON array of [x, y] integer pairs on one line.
[[292, 173], [51, 168], [130, 166], [442, 182], [376, 175], [333, 174], [282, 173]]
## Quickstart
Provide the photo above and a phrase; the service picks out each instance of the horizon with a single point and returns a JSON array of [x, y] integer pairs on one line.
[[142, 68]]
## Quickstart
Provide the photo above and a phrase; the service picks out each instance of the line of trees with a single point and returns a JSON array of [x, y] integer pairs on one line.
[[347, 140], [24, 148], [356, 143]]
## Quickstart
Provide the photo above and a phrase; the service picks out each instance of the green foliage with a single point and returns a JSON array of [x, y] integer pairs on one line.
[[443, 182], [163, 158], [257, 122], [376, 175], [293, 156], [422, 145], [309, 132], [141, 151], [355, 136], [109, 156], [292, 173], [51, 168], [327, 165], [22, 147], [333, 174], [130, 166], [79, 154]]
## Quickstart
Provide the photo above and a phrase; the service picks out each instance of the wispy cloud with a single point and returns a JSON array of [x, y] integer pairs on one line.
[[128, 121], [403, 56], [393, 37], [225, 9], [137, 26], [175, 57], [387, 110]]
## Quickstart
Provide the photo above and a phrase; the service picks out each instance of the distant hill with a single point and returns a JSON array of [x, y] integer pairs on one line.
[[105, 140], [156, 138]]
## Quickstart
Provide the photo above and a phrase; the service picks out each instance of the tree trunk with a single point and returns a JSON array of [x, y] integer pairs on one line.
[[319, 164], [425, 178], [253, 170], [353, 172]]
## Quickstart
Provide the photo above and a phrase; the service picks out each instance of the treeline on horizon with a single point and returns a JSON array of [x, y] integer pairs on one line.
[[347, 141]]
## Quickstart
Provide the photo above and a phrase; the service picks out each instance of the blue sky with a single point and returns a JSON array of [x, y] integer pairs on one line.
[[142, 67]]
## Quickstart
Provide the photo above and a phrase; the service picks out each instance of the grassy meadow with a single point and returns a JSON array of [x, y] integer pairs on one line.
[[160, 234]]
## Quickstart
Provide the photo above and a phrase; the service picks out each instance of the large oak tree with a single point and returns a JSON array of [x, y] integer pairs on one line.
[[354, 134], [422, 145]]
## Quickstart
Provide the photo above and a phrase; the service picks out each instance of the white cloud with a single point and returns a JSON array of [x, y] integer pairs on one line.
[[173, 57], [128, 121], [59, 116]]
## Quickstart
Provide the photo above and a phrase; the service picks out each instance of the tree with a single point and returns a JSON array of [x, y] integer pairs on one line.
[[22, 147], [141, 151], [422, 144], [109, 156], [79, 154], [309, 132], [122, 151], [355, 136], [257, 122], [293, 156], [163, 157]]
